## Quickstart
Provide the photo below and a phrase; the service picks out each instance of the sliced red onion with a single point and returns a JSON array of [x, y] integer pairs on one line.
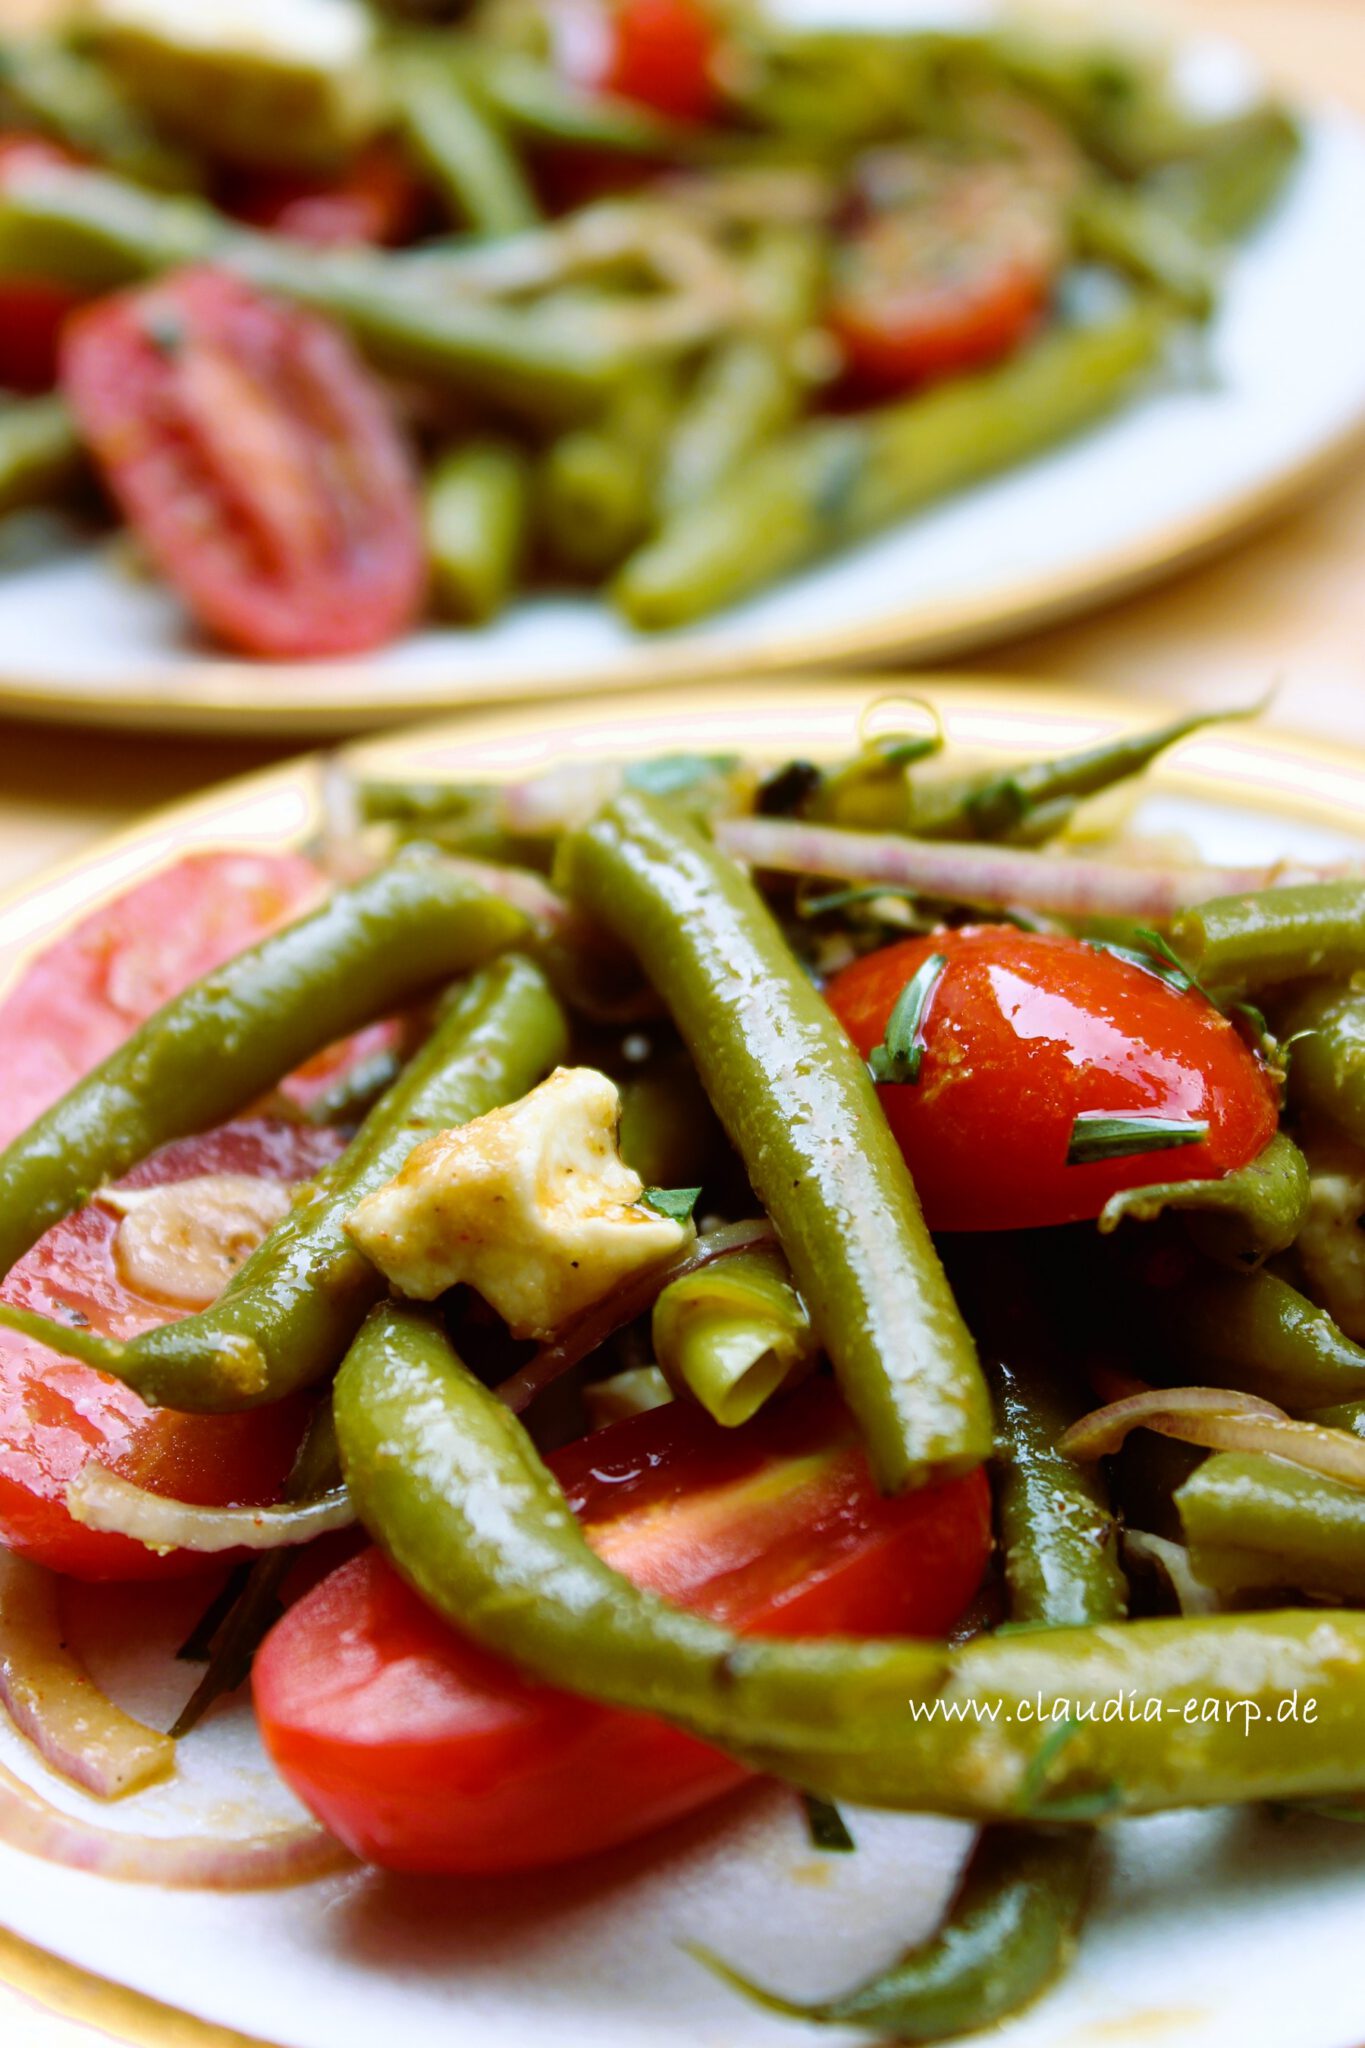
[[521, 888], [100, 1499], [222, 1863], [53, 1700], [606, 1317], [1220, 1420], [996, 877], [1172, 1562]]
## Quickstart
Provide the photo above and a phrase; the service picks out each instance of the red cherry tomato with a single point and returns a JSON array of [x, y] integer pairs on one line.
[[939, 281], [32, 309], [258, 459], [375, 199], [71, 1006], [424, 1752], [659, 53], [1023, 1033]]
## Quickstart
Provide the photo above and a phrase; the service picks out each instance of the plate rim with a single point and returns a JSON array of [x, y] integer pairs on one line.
[[1280, 771]]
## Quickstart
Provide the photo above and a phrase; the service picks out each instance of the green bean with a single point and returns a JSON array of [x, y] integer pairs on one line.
[[40, 452], [1326, 1024], [1255, 1332], [71, 97], [669, 1132], [97, 232], [746, 392], [290, 1310], [1057, 1533], [597, 482], [1008, 1933], [733, 1334], [536, 102], [463, 152], [233, 1642], [1241, 1219], [210, 1052], [834, 481], [450, 1485], [1239, 172], [1124, 226], [1253, 1522], [477, 512], [799, 1108], [1275, 935]]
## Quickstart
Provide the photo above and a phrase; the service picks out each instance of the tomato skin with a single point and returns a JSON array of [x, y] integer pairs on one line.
[[426, 1753], [659, 53], [375, 200], [33, 310], [72, 1005], [257, 457], [895, 340], [1024, 1032]]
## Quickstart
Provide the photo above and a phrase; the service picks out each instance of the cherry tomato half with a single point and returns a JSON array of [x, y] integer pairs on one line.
[[659, 53], [1023, 1033], [32, 309], [376, 199], [70, 1007], [258, 459], [936, 281], [423, 1752]]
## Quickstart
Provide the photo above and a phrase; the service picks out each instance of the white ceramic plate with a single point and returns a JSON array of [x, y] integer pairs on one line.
[[1206, 1928], [1179, 472]]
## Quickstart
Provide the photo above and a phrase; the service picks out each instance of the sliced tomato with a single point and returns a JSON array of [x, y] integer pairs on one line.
[[33, 310], [423, 1752], [660, 53], [1023, 1033], [376, 199], [941, 274], [257, 457], [72, 1006]]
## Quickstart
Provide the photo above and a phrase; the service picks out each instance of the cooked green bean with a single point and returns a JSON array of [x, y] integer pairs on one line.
[[798, 1106], [290, 1310], [1253, 1522], [477, 515], [537, 102], [463, 152], [206, 1054], [450, 1485], [830, 482], [1242, 1218], [745, 393], [1275, 936], [733, 1334], [1255, 1332], [1058, 1537], [669, 1132], [1124, 226], [1008, 1932], [596, 486], [1326, 1024], [73, 98], [1237, 175], [40, 452]]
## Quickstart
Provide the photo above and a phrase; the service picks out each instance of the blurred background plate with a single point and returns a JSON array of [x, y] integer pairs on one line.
[[1276, 399], [1206, 1927]]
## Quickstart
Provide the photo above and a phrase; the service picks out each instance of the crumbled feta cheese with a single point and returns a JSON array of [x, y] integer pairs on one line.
[[181, 1243], [532, 1205]]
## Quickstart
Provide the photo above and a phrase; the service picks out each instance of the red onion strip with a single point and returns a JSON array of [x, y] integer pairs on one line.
[[53, 1700], [1220, 1420], [100, 1499], [223, 1863], [994, 876], [606, 1317]]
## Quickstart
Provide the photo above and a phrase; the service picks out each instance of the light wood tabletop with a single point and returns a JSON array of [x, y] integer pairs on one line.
[[1286, 606]]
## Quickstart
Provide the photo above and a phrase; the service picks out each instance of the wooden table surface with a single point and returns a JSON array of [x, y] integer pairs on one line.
[[1286, 606]]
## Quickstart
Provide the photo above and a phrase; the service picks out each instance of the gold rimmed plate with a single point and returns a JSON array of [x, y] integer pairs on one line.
[[1183, 1945]]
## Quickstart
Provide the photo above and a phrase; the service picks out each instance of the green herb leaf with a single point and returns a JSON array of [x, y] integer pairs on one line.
[[1150, 963], [898, 1056], [672, 774], [675, 1203], [1033, 1801], [849, 899], [828, 1828], [1097, 1135]]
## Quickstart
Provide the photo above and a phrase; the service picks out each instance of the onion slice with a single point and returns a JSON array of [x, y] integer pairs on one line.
[[53, 1700], [996, 877], [99, 1499], [589, 1331], [1219, 1420], [222, 1863]]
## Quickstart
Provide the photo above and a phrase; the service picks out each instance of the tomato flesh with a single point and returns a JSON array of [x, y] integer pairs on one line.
[[71, 1006], [424, 1752], [33, 310], [1026, 1031], [257, 457], [659, 53]]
